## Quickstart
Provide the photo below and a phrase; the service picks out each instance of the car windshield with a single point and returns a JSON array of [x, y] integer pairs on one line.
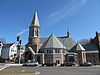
[[32, 62], [69, 62], [87, 63]]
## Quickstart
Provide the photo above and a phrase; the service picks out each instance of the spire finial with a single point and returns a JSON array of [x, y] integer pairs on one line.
[[68, 33], [35, 21]]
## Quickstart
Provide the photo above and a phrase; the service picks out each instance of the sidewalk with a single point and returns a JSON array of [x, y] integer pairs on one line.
[[14, 64]]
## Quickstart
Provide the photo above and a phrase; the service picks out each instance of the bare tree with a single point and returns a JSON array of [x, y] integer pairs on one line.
[[84, 41], [3, 40]]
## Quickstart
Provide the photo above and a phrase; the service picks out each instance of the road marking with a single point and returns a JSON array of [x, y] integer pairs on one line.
[[3, 67]]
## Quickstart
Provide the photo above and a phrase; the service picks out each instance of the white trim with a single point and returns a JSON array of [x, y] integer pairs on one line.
[[92, 51]]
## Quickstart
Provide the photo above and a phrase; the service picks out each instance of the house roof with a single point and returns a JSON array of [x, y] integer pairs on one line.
[[35, 21], [68, 42], [90, 47], [77, 47], [52, 42], [8, 45]]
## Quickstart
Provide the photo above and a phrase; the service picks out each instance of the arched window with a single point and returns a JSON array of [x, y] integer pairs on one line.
[[35, 32]]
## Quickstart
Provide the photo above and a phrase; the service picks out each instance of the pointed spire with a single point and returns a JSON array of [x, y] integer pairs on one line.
[[35, 21]]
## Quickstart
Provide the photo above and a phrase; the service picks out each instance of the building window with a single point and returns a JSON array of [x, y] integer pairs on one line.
[[21, 51], [47, 51], [12, 50], [50, 51], [35, 32], [11, 56], [57, 51]]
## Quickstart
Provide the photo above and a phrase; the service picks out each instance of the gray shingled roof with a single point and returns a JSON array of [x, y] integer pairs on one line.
[[77, 47], [52, 42], [68, 42], [35, 21], [90, 47], [7, 45], [43, 40]]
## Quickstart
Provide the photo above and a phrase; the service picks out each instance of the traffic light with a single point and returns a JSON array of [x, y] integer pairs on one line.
[[17, 38], [20, 42]]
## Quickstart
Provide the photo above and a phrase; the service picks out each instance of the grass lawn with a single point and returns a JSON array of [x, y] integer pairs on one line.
[[14, 71]]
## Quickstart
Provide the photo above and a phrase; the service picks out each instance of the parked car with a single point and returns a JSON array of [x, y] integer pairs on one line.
[[31, 63], [49, 64], [68, 64], [86, 64]]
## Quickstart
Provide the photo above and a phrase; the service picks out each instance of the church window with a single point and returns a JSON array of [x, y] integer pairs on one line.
[[57, 51], [35, 32]]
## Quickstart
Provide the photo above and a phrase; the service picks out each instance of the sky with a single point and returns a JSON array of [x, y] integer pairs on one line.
[[80, 17]]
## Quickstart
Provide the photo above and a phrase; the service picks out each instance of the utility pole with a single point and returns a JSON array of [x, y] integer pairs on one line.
[[19, 48]]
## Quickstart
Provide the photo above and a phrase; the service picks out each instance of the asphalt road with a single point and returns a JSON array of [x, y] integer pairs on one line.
[[66, 70]]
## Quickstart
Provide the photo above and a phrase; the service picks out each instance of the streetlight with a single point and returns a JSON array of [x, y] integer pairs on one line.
[[19, 48]]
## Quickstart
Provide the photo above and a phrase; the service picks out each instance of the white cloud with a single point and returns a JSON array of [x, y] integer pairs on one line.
[[22, 32], [70, 9], [62, 9]]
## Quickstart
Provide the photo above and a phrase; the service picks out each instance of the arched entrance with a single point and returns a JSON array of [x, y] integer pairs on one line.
[[28, 56]]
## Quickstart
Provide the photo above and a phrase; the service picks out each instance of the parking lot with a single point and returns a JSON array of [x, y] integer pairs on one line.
[[66, 70]]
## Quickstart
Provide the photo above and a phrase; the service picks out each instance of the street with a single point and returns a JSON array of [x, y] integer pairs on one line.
[[66, 70]]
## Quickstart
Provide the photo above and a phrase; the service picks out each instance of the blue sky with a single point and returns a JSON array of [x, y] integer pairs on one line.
[[81, 17]]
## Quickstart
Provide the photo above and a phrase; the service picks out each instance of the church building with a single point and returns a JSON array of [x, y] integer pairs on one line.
[[52, 49]]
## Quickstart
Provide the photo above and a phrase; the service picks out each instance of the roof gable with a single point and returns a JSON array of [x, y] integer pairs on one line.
[[77, 47], [67, 42], [53, 42]]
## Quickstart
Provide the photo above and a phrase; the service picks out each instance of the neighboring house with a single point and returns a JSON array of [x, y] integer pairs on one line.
[[92, 53], [1, 45], [9, 51]]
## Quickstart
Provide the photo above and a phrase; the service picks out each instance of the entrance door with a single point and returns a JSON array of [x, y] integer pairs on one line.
[[28, 56], [58, 61], [38, 59], [71, 59]]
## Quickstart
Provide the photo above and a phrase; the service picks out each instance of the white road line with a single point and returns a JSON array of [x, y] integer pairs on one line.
[[3, 68]]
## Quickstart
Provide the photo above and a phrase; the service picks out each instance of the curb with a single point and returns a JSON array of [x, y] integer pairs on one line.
[[36, 73], [14, 64]]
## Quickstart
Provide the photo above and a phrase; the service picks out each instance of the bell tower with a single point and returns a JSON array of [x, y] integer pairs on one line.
[[34, 34]]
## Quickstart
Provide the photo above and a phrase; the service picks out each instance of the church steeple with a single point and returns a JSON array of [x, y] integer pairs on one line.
[[35, 21], [34, 31], [34, 34]]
